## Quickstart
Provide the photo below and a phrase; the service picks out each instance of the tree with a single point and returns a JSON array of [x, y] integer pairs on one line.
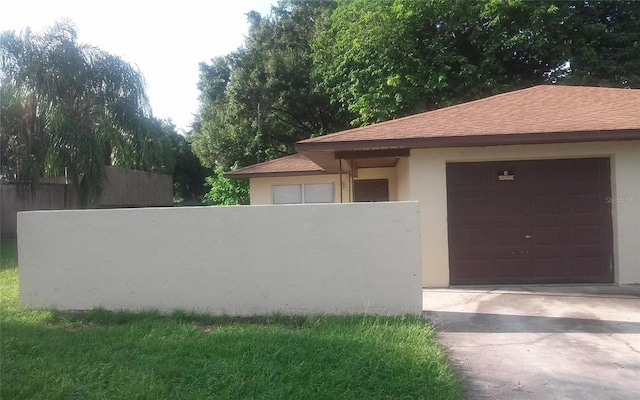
[[188, 174], [382, 59], [68, 106], [224, 191], [258, 101], [604, 42]]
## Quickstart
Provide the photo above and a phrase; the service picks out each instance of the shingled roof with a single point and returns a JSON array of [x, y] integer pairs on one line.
[[540, 114], [547, 109], [296, 164]]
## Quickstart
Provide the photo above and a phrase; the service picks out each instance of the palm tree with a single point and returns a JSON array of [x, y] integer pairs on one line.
[[70, 106]]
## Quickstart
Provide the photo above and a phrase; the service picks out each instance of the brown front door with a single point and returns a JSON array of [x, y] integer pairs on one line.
[[371, 190], [544, 221]]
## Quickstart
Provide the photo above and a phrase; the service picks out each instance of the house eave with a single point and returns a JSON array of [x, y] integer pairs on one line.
[[471, 140], [231, 175]]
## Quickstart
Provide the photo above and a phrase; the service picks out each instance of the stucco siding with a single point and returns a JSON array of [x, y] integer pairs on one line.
[[382, 173], [427, 175], [428, 186], [625, 201], [403, 176], [244, 260]]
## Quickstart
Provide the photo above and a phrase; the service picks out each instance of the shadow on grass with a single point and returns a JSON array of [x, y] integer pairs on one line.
[[8, 253], [300, 357], [104, 317]]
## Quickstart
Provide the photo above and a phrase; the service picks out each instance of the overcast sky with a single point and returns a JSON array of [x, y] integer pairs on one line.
[[166, 40]]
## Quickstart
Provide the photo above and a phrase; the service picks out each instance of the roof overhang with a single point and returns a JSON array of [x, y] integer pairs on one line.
[[328, 154], [351, 160], [545, 114], [471, 140], [246, 176]]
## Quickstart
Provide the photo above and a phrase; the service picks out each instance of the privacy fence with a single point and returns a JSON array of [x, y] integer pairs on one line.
[[243, 260], [124, 188]]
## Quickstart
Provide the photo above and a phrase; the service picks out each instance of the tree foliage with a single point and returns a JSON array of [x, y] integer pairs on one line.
[[224, 191], [68, 106], [314, 67], [188, 173], [258, 101], [386, 58]]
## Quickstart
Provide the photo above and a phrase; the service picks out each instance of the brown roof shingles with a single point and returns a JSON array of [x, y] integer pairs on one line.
[[540, 109], [540, 114], [296, 164]]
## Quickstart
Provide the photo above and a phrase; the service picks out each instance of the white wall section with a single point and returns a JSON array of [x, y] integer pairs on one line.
[[245, 260]]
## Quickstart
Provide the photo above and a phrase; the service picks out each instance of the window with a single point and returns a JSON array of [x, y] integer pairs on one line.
[[318, 193], [303, 193]]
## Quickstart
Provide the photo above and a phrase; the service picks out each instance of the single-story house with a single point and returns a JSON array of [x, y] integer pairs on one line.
[[540, 185]]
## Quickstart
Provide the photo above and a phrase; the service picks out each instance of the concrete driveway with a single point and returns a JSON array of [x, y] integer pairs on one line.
[[541, 342]]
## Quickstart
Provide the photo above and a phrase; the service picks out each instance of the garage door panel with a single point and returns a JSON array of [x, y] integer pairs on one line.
[[470, 178], [549, 269], [508, 236], [501, 221], [471, 237], [588, 269], [483, 252], [507, 268], [473, 269], [471, 205], [550, 221], [549, 205], [509, 206], [549, 250], [551, 174], [586, 235], [586, 170], [531, 229], [585, 204], [546, 236], [587, 251]]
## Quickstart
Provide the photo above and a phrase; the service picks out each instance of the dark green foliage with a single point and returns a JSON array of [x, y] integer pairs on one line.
[[68, 106], [226, 192], [382, 59], [311, 66], [257, 102], [604, 39], [188, 174]]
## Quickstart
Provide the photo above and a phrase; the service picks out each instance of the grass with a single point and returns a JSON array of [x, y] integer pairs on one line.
[[121, 355]]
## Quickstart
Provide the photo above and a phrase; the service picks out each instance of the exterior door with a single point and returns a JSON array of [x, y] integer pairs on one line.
[[370, 190], [544, 221]]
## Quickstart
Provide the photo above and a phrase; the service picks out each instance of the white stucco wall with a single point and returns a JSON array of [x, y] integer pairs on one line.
[[333, 258], [403, 177], [427, 175]]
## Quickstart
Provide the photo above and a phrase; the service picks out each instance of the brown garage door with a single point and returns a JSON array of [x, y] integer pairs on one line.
[[543, 221]]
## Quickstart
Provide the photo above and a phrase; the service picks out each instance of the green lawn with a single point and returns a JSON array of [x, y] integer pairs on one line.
[[119, 355]]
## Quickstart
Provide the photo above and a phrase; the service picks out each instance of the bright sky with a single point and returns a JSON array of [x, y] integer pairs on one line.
[[165, 39]]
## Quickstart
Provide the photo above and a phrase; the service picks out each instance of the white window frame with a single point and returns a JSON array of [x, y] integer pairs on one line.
[[301, 187]]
